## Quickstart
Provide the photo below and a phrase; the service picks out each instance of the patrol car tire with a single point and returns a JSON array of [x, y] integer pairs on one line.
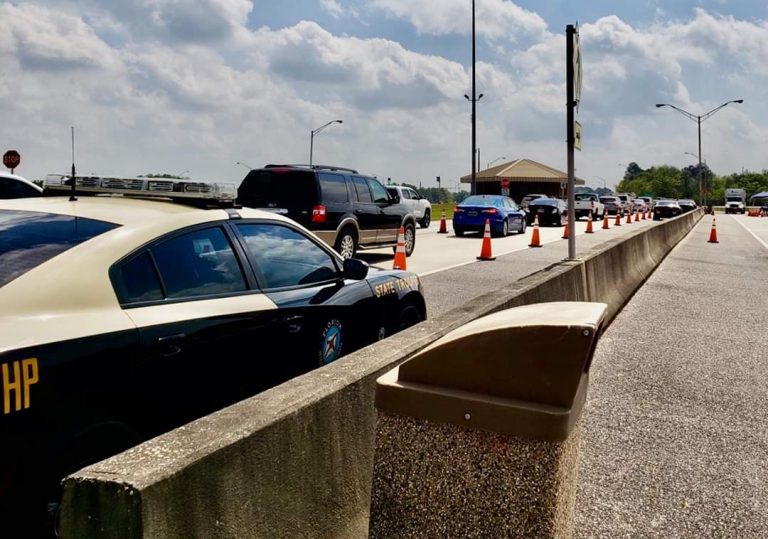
[[410, 315], [346, 243], [523, 224]]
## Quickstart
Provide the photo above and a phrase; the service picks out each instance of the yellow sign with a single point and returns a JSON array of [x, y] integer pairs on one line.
[[17, 378]]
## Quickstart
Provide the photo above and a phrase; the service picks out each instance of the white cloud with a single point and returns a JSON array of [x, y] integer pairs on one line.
[[494, 19], [154, 86]]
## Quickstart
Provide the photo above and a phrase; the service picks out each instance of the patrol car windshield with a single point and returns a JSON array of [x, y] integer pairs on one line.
[[27, 239]]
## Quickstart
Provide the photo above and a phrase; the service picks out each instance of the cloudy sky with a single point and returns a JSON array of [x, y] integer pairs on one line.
[[194, 86]]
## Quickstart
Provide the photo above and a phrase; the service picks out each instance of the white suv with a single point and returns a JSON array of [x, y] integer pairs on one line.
[[420, 207]]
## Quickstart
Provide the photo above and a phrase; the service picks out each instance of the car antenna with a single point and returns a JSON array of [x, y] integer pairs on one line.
[[73, 196]]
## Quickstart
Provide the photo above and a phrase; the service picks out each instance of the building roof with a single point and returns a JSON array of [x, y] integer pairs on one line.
[[521, 170]]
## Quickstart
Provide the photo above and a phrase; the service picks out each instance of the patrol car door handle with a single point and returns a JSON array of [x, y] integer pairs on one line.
[[171, 344], [293, 322]]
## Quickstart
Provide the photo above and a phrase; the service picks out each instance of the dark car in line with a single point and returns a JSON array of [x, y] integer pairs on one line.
[[665, 208], [348, 210], [14, 186], [123, 317], [501, 212], [686, 205], [549, 211], [528, 198]]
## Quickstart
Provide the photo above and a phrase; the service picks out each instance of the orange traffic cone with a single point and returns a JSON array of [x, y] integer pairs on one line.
[[565, 229], [443, 228], [589, 225], [485, 251], [637, 216], [605, 222], [713, 232], [535, 241], [400, 251], [618, 219], [642, 216], [629, 218]]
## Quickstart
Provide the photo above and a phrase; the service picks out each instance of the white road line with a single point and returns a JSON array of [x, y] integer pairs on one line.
[[748, 230]]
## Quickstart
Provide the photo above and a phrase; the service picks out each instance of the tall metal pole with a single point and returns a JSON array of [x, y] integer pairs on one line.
[[698, 119], [570, 31], [701, 192], [473, 188]]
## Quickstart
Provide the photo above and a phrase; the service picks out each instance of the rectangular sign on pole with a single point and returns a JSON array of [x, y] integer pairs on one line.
[[577, 136]]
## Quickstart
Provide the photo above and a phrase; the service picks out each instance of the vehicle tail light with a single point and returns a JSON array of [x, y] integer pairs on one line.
[[318, 213], [458, 210], [490, 210]]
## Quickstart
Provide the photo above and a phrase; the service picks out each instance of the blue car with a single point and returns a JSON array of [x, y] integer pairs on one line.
[[501, 211]]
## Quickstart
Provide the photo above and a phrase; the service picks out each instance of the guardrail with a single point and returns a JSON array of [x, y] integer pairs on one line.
[[297, 460]]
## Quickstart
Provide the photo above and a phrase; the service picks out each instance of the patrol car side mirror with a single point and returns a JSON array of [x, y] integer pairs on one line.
[[355, 269]]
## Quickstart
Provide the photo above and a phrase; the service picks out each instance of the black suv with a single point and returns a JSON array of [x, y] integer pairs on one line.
[[347, 210]]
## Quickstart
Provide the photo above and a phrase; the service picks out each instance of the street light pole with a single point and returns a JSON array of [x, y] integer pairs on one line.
[[474, 100], [698, 119], [315, 132], [246, 166]]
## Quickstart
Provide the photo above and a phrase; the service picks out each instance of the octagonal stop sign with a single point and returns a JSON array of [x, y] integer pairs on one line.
[[11, 159]]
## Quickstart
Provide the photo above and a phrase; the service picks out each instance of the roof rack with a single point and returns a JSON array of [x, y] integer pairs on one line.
[[189, 192], [321, 167]]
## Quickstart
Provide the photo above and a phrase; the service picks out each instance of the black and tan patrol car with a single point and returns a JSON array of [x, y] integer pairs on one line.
[[123, 317]]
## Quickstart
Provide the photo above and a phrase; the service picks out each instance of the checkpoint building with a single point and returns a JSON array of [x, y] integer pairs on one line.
[[520, 177]]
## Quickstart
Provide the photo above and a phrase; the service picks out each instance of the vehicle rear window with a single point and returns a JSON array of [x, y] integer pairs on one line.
[[28, 239], [278, 188]]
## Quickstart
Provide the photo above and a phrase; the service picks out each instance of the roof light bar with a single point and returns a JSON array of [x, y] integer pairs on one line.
[[146, 187]]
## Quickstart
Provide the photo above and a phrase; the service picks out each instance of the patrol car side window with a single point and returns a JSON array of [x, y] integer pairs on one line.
[[199, 263], [284, 257]]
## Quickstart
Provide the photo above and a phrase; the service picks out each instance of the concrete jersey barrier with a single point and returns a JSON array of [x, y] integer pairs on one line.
[[296, 461]]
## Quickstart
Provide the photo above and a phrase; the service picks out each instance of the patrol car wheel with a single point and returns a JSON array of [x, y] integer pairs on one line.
[[346, 243], [409, 316]]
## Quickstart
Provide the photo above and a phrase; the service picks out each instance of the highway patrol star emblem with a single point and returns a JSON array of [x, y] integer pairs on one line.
[[331, 343]]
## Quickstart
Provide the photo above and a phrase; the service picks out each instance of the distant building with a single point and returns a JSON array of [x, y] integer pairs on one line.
[[521, 177]]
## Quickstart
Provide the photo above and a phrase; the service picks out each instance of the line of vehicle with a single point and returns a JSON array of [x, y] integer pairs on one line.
[[748, 230]]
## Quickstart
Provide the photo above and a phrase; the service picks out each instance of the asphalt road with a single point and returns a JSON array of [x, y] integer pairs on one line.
[[675, 438], [452, 275]]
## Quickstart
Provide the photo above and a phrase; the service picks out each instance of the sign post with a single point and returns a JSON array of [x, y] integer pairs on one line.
[[505, 187], [573, 96], [11, 159]]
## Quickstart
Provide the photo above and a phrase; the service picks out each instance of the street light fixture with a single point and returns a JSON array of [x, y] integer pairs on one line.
[[315, 132], [497, 159], [698, 118], [246, 166]]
